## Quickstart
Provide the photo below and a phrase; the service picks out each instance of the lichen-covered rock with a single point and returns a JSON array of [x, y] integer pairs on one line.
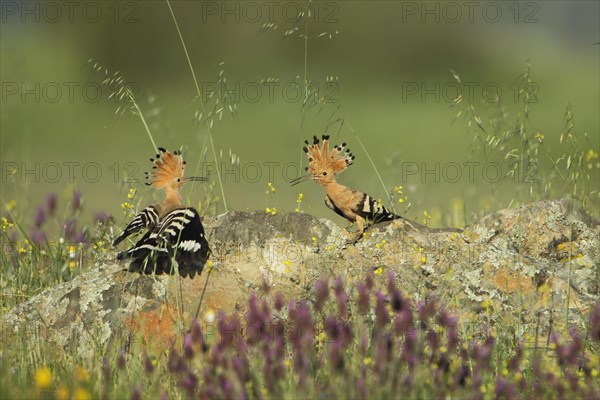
[[518, 268]]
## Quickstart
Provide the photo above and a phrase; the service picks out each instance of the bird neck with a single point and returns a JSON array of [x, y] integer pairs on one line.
[[331, 188], [172, 199]]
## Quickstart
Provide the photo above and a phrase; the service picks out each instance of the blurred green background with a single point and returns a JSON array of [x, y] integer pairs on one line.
[[377, 52]]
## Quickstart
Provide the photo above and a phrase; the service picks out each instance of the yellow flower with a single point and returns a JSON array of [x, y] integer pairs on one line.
[[427, 217], [6, 224], [443, 349], [10, 205], [62, 393], [72, 265], [378, 271], [368, 361], [81, 394], [424, 259], [210, 265], [81, 374], [591, 155], [131, 194], [43, 378], [209, 316], [271, 187], [271, 211], [314, 240], [539, 136], [287, 264], [72, 251]]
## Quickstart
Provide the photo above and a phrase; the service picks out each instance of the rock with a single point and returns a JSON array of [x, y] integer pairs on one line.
[[519, 268]]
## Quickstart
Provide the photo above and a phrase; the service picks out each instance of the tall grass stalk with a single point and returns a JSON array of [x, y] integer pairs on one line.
[[199, 93]]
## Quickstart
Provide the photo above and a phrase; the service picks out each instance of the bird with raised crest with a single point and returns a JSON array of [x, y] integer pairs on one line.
[[173, 231], [355, 206]]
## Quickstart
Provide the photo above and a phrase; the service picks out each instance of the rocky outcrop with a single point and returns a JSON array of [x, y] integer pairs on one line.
[[520, 268]]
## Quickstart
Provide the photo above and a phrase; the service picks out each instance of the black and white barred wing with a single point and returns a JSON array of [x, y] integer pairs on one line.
[[180, 234], [183, 230], [146, 219], [372, 210]]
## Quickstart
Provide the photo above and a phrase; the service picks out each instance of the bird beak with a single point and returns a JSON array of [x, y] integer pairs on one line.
[[195, 179], [301, 179]]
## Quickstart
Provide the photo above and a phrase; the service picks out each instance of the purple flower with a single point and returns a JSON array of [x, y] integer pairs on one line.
[[336, 358], [515, 361], [76, 199], [363, 299], [80, 238], [463, 373], [369, 280], [364, 343], [332, 328], [137, 393], [241, 369], [196, 332], [40, 217], [279, 301], [69, 229], [189, 383], [382, 317], [383, 351], [102, 217], [229, 329], [51, 203], [175, 363], [148, 366], [395, 295], [426, 309], [121, 359], [322, 293], [361, 388], [265, 286], [37, 236], [341, 297], [504, 389], [188, 351]]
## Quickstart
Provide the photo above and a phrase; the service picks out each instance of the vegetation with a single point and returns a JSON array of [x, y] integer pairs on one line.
[[372, 341]]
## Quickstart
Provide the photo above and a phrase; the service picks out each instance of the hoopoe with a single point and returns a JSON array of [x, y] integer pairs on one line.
[[353, 205], [172, 230]]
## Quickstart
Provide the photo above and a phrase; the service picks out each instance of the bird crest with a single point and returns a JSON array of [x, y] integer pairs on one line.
[[323, 160], [168, 169]]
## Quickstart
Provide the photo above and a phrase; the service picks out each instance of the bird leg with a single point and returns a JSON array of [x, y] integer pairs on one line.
[[360, 222]]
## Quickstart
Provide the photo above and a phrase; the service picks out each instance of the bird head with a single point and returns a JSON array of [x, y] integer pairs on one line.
[[168, 170], [323, 163]]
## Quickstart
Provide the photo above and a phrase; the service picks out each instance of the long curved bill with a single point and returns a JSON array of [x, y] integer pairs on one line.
[[301, 179], [195, 179]]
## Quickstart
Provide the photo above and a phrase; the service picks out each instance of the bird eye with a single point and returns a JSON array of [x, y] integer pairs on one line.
[[324, 173], [178, 180]]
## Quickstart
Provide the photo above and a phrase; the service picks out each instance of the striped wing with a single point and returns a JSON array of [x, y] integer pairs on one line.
[[371, 210], [329, 203], [146, 219], [180, 234]]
